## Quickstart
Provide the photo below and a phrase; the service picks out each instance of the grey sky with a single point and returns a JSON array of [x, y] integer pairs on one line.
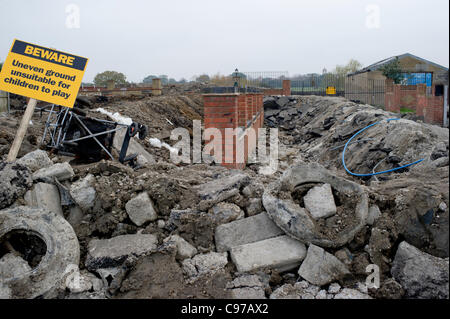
[[186, 38]]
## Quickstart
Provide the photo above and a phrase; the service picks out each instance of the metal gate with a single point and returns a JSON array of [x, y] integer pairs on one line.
[[365, 91]]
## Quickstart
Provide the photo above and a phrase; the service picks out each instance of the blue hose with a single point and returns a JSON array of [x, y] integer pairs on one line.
[[377, 173]]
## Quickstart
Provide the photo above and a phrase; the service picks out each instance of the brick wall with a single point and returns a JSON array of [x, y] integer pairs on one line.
[[429, 106], [231, 111], [285, 89]]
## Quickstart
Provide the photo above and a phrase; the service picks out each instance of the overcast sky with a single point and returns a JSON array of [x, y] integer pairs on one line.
[[183, 38]]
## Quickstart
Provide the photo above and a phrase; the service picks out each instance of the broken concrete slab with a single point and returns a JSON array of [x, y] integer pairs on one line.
[[254, 206], [295, 220], [82, 281], [422, 275], [334, 288], [12, 266], [226, 212], [221, 189], [75, 216], [83, 192], [107, 253], [321, 268], [61, 171], [35, 160], [142, 160], [247, 287], [374, 214], [245, 231], [204, 264], [15, 180], [45, 196], [281, 253], [140, 209], [348, 293], [184, 249], [319, 201], [282, 101], [299, 290]]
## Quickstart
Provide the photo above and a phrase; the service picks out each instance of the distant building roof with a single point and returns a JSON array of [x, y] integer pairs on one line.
[[381, 63]]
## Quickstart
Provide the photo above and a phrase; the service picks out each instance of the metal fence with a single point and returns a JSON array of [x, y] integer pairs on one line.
[[365, 91], [317, 84], [254, 80], [268, 80]]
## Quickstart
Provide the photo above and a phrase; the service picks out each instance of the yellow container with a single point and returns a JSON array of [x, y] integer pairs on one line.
[[331, 90]]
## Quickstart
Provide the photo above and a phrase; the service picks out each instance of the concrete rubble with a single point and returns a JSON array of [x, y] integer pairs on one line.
[[227, 212], [184, 249], [319, 202], [45, 196], [247, 287], [140, 209], [281, 253], [35, 160], [83, 192], [160, 230], [204, 264], [15, 180], [420, 274], [61, 171], [112, 252], [321, 268], [246, 231], [298, 222], [13, 266]]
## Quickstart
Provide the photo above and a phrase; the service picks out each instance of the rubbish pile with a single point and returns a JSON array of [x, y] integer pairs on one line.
[[160, 230]]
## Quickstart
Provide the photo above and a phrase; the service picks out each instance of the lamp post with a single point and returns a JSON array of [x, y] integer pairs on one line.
[[236, 78]]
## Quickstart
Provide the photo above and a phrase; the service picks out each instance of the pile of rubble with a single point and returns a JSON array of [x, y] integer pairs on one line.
[[310, 231]]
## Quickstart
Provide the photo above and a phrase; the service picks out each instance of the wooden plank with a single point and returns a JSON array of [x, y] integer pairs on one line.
[[14, 150]]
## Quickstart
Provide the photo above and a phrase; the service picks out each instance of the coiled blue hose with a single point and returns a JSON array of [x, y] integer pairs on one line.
[[377, 173]]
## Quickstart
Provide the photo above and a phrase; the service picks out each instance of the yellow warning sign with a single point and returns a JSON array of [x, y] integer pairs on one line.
[[331, 90], [42, 73]]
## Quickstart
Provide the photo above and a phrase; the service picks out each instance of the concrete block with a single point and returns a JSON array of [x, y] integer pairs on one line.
[[245, 231], [247, 287], [61, 171], [221, 189], [109, 253], [321, 268], [184, 249], [83, 192], [225, 212], [281, 253], [140, 209], [319, 201], [45, 196], [35, 160], [204, 264]]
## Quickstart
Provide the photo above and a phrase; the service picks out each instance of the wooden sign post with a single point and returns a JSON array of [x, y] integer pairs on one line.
[[14, 150]]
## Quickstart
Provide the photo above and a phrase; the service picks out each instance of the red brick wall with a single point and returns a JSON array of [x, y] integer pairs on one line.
[[285, 90], [429, 106], [232, 111], [391, 97], [408, 96], [286, 87]]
